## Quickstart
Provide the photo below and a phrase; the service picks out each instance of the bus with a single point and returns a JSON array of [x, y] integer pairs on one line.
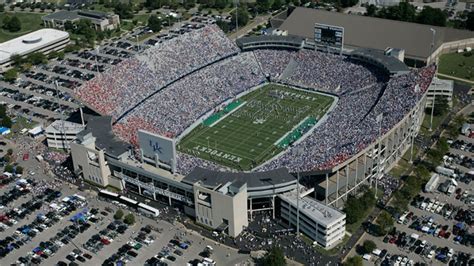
[[127, 201], [108, 195], [148, 210]]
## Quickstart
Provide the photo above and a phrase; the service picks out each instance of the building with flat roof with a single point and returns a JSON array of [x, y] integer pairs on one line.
[[100, 21], [323, 224], [440, 88], [43, 41], [377, 33], [60, 133]]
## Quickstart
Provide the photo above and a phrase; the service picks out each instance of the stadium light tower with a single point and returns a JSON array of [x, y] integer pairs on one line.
[[433, 31]]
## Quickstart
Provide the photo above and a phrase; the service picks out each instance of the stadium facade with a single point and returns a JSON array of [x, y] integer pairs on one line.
[[108, 153]]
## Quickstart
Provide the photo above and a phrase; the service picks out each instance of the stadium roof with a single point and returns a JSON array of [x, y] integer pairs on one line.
[[101, 129], [375, 33], [269, 38], [392, 64], [30, 42], [257, 179]]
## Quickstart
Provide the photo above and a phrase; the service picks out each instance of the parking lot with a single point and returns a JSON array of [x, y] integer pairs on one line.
[[35, 96], [437, 229], [45, 222]]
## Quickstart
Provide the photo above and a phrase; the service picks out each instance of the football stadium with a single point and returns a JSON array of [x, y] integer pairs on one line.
[[257, 126], [234, 126]]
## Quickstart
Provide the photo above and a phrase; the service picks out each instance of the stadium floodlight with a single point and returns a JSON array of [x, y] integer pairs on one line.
[[434, 93]]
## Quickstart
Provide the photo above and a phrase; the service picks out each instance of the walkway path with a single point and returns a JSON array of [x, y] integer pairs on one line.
[[456, 78]]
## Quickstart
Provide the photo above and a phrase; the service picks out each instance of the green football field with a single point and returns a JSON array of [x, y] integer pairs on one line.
[[256, 127]]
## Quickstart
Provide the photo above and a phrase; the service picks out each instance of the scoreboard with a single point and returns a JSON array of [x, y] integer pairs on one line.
[[329, 37]]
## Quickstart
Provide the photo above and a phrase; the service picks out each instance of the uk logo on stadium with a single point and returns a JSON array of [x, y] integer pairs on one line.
[[155, 146]]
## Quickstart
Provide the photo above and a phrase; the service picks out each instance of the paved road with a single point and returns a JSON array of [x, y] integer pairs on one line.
[[260, 19], [456, 78]]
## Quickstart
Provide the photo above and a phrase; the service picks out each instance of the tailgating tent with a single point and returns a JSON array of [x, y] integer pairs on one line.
[[35, 132], [4, 131]]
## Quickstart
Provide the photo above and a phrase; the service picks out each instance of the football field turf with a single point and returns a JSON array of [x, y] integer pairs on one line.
[[256, 126]]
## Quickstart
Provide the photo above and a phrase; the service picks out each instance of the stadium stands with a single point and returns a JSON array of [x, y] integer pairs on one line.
[[169, 87], [176, 107], [329, 72], [132, 81]]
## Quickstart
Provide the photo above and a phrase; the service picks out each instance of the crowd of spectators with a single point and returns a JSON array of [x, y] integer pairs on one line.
[[273, 62], [133, 80], [173, 109], [328, 72], [353, 124]]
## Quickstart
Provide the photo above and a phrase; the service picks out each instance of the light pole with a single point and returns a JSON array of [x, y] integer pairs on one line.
[[236, 15], [433, 31], [299, 152], [298, 204], [379, 152]]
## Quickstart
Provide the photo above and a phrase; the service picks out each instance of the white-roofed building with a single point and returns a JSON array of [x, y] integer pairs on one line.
[[43, 40], [60, 134], [440, 88], [323, 224]]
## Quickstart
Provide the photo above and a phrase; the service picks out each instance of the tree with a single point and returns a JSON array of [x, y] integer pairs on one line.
[[348, 3], [14, 24], [154, 23], [9, 168], [10, 75], [274, 257], [37, 58], [118, 214], [368, 246], [242, 17], [432, 16], [470, 21], [123, 10], [19, 170], [385, 221], [223, 25], [354, 261], [5, 22], [264, 5], [422, 172], [371, 10], [10, 152], [129, 219], [355, 208], [17, 60], [277, 4], [2, 8], [6, 122], [68, 25]]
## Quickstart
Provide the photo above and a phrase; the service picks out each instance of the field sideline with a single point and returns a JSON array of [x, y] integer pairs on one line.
[[255, 130]]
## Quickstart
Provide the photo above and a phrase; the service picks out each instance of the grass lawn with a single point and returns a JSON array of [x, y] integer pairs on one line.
[[101, 8], [142, 18], [425, 126], [457, 65], [29, 22], [256, 127], [404, 163]]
